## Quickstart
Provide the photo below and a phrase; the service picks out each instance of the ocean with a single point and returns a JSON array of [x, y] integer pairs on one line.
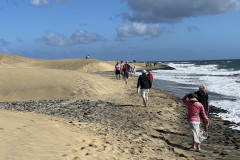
[[221, 78]]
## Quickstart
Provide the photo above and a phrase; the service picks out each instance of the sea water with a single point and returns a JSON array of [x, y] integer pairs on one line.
[[220, 77]]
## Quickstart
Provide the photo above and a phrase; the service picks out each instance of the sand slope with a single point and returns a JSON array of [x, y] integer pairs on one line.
[[83, 65], [53, 79], [32, 136], [28, 136], [10, 59]]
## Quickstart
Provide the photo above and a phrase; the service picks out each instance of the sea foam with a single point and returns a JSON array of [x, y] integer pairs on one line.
[[221, 82]]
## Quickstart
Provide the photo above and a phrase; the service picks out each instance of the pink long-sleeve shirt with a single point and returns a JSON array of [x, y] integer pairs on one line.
[[194, 109]]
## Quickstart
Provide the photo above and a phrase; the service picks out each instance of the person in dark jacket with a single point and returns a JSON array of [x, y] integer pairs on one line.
[[145, 84], [126, 69], [202, 97]]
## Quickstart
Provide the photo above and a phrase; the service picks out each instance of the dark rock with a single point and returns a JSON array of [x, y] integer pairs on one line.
[[223, 154], [214, 109]]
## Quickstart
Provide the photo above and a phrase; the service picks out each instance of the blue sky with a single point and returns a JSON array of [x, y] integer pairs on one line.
[[115, 29]]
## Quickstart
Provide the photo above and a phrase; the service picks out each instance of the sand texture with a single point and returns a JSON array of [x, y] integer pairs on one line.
[[76, 110]]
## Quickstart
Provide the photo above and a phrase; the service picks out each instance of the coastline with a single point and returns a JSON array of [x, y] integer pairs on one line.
[[111, 123], [219, 128], [161, 128]]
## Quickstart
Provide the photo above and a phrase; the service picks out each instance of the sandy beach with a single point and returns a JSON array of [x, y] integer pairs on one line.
[[75, 109]]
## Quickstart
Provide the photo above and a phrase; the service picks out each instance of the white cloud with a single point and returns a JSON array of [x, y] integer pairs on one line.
[[61, 1], [192, 28], [55, 39], [80, 37], [138, 29], [3, 43], [39, 3], [171, 11], [44, 3]]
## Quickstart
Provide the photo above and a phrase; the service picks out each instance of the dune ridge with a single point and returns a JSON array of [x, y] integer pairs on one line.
[[52, 79], [10, 59]]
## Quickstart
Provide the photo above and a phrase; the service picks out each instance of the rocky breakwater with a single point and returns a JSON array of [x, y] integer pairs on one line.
[[158, 66]]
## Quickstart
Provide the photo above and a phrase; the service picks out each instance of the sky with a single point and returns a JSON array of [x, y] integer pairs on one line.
[[142, 30]]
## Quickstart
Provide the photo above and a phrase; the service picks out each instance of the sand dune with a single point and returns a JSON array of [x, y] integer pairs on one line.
[[10, 59], [29, 136], [35, 84], [53, 79], [32, 136], [83, 65]]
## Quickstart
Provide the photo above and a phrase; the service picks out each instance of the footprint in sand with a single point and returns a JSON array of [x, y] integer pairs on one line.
[[76, 158], [74, 151], [64, 155]]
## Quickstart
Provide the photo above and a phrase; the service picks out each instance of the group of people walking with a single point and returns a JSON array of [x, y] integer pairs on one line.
[[125, 70], [197, 103], [144, 81]]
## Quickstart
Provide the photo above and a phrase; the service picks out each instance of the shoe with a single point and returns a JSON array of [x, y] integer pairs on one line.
[[198, 150]]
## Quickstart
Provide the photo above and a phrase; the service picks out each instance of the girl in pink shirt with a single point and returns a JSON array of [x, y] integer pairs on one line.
[[117, 70], [194, 109]]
